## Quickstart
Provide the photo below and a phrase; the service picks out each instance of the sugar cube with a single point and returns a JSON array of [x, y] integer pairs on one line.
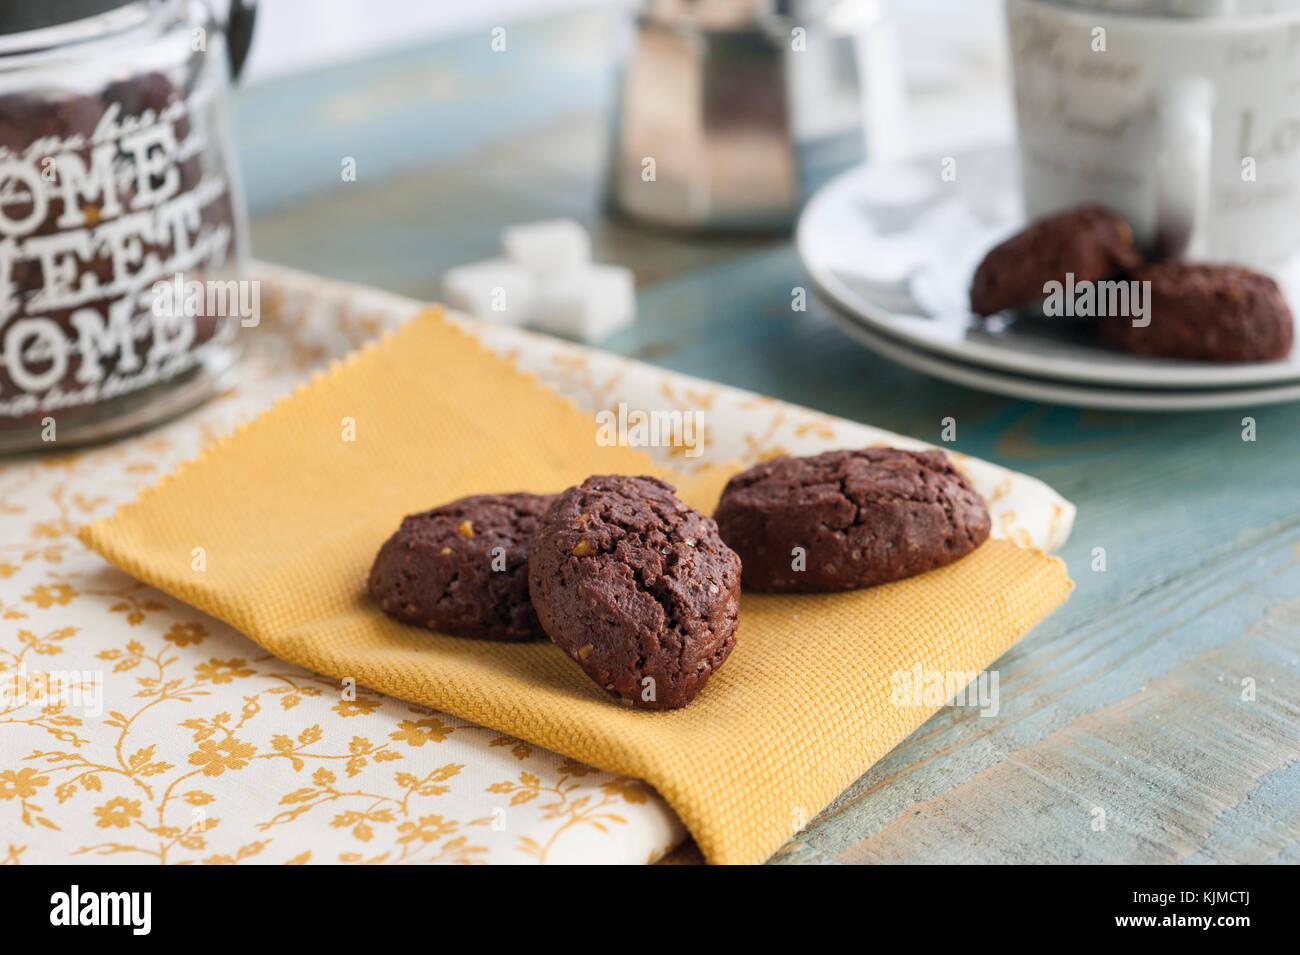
[[586, 303], [495, 289], [547, 248]]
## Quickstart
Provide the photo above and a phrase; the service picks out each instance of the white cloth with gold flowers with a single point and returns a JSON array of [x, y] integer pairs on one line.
[[187, 743]]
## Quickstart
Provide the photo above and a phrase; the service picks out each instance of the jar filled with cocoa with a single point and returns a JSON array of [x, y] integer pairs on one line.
[[124, 297]]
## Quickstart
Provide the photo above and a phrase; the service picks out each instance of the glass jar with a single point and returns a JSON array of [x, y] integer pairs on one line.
[[123, 241]]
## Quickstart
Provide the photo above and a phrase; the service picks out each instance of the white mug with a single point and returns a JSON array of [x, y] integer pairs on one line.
[[1188, 126]]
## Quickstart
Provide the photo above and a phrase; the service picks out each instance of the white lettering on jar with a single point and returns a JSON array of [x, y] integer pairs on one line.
[[89, 222], [50, 348], [34, 192]]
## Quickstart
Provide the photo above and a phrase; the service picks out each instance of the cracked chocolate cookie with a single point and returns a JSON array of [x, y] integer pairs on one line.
[[1206, 312], [849, 519], [637, 587], [1091, 242], [462, 568]]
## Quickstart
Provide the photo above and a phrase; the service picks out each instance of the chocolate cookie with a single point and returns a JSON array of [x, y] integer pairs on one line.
[[848, 519], [462, 568], [1206, 312], [1091, 242], [637, 587]]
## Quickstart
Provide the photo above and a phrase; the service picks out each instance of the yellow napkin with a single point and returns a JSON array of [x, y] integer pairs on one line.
[[273, 530]]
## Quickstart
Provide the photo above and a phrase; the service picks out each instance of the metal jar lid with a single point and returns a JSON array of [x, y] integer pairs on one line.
[[20, 16]]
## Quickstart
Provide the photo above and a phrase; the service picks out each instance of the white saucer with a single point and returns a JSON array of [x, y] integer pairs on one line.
[[1058, 392], [896, 246]]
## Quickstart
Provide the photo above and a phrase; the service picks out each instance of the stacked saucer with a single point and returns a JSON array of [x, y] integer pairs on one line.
[[892, 249]]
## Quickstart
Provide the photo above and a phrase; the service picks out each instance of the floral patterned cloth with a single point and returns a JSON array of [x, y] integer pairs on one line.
[[182, 741]]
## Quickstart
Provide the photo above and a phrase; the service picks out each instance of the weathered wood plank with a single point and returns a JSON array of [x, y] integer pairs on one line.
[[1139, 714]]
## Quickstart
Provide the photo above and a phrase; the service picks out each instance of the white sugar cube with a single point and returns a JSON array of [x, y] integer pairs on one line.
[[495, 289], [586, 303], [547, 248]]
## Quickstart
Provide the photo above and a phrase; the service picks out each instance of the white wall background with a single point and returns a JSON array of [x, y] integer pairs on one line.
[[939, 37], [293, 35]]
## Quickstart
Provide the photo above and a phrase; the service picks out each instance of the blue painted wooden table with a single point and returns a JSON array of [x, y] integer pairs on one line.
[[1156, 718]]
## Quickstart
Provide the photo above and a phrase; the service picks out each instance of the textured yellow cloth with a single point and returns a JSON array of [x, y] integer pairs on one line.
[[288, 514]]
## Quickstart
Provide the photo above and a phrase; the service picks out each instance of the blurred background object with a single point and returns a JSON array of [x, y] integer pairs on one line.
[[954, 46], [737, 110], [1184, 124], [443, 129], [118, 176]]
